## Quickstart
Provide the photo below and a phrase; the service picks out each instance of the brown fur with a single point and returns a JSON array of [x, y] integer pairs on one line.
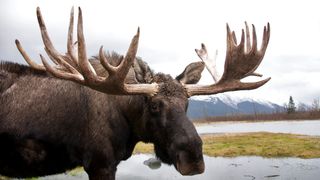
[[48, 125]]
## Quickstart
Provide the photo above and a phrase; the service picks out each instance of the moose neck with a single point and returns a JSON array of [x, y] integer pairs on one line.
[[134, 109]]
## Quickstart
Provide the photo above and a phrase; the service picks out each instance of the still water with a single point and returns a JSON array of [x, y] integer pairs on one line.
[[228, 168], [239, 168], [311, 127]]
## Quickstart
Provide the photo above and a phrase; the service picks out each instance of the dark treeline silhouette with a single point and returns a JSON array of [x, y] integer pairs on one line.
[[298, 115]]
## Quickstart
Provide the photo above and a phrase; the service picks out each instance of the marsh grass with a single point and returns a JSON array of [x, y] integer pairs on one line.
[[254, 144], [262, 144]]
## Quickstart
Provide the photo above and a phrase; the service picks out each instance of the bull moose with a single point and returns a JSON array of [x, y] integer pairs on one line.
[[92, 112]]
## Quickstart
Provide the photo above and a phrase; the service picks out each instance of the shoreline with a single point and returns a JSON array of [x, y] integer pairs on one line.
[[280, 116], [200, 122]]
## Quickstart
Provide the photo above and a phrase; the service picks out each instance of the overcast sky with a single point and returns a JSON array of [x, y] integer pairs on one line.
[[171, 30]]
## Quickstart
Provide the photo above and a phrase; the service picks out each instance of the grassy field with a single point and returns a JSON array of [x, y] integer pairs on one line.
[[254, 144]]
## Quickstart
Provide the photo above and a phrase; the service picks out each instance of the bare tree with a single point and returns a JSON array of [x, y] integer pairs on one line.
[[315, 106], [302, 107]]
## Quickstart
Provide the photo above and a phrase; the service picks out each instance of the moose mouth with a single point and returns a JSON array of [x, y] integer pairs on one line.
[[186, 167]]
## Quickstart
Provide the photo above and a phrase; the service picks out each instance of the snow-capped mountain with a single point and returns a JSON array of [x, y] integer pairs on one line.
[[221, 105]]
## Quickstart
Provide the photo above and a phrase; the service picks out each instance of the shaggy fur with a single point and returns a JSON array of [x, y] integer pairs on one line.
[[48, 126]]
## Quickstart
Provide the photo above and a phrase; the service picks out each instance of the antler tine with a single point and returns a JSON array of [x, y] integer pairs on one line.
[[210, 63], [248, 41], [261, 52], [123, 68], [38, 66], [128, 60], [70, 45], [230, 41], [104, 62], [27, 58], [241, 45], [86, 68], [234, 38], [266, 37], [254, 40], [240, 63], [45, 37]]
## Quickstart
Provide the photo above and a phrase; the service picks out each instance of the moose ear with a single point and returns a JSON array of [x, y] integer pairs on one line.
[[192, 73]]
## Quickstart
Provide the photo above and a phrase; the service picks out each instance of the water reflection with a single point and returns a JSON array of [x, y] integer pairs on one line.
[[311, 127], [228, 168]]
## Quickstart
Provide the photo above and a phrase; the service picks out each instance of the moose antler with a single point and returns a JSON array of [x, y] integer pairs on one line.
[[241, 61], [209, 62], [77, 68]]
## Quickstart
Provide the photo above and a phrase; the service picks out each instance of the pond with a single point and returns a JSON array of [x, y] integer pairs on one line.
[[307, 127], [238, 168]]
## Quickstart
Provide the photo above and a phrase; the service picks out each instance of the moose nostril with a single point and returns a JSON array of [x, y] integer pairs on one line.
[[200, 167]]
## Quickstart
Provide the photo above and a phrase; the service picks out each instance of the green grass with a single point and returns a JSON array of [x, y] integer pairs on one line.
[[143, 148], [254, 144], [262, 144]]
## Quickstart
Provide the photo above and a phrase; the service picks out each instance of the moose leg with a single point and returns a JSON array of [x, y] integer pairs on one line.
[[102, 174], [100, 167]]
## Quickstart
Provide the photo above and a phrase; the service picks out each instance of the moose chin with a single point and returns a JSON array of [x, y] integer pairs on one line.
[[91, 112]]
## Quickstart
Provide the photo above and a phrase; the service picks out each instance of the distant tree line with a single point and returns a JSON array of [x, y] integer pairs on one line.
[[290, 112]]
